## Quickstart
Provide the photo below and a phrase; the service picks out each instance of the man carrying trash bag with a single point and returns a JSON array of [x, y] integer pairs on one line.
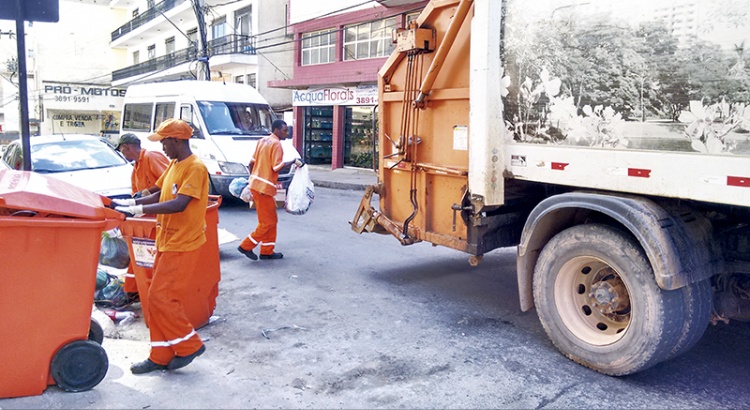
[[180, 209], [265, 165]]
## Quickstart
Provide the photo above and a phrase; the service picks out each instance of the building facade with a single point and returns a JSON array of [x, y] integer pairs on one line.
[[339, 46], [78, 68], [242, 41]]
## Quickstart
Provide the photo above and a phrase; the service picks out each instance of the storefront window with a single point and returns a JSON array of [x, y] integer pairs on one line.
[[359, 140], [318, 134]]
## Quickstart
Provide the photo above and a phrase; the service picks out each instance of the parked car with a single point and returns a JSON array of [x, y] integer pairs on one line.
[[82, 160]]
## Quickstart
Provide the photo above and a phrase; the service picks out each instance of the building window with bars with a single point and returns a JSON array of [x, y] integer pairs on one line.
[[252, 80], [369, 40], [319, 47], [152, 51], [244, 20], [240, 79], [219, 28], [192, 36], [136, 57], [169, 45]]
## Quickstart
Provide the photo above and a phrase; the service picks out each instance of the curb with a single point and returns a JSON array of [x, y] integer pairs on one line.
[[339, 185]]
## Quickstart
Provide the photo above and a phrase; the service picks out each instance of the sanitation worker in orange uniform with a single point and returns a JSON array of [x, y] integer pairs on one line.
[[264, 175], [147, 168], [147, 165], [180, 209]]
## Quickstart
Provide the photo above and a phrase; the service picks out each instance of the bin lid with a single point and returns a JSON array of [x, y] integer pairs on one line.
[[26, 190]]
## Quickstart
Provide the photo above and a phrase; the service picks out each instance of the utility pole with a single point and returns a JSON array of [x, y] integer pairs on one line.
[[23, 100], [204, 71]]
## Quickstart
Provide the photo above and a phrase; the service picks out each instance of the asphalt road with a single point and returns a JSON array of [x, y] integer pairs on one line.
[[359, 321]]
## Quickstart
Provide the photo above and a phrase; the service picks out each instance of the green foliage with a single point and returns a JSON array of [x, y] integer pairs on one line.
[[361, 160]]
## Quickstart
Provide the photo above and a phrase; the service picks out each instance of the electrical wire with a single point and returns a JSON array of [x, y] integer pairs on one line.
[[282, 43]]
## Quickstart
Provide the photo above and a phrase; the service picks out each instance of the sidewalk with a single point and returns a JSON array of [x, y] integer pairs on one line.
[[342, 178]]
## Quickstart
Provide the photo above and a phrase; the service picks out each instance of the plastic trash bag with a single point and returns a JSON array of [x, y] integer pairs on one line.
[[246, 194], [112, 294], [301, 192], [237, 186], [240, 188], [114, 250]]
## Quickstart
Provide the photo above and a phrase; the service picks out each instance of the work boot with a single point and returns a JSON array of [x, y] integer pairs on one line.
[[250, 254], [146, 366], [275, 255], [179, 362]]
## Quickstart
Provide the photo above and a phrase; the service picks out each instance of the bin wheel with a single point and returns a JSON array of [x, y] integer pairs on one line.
[[96, 333], [79, 365]]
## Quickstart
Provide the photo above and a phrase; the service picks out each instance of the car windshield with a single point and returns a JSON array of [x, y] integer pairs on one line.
[[236, 118], [73, 155]]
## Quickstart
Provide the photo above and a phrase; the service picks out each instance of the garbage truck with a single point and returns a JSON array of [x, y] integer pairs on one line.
[[609, 142]]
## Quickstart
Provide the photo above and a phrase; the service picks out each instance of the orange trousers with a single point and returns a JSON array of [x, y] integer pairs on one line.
[[265, 232], [172, 334]]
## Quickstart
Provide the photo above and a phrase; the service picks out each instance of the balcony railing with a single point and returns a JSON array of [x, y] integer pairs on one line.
[[157, 64], [231, 44], [145, 17]]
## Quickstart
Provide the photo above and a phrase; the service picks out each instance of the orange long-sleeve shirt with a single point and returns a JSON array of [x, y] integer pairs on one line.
[[266, 164], [147, 170]]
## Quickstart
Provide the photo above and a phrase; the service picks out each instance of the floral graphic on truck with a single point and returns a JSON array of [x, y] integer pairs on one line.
[[603, 75]]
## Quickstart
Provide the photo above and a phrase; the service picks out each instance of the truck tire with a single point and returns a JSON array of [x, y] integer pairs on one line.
[[697, 304], [597, 299]]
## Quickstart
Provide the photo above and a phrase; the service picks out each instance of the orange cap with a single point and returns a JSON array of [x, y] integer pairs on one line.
[[172, 128]]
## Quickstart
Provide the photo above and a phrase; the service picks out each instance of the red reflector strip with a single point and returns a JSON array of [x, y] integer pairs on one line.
[[738, 181], [559, 165], [636, 172]]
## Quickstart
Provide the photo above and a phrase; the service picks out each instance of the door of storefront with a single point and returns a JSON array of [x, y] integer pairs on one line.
[[318, 134], [359, 137]]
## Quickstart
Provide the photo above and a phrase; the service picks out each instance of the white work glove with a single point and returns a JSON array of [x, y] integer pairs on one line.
[[124, 202], [134, 210]]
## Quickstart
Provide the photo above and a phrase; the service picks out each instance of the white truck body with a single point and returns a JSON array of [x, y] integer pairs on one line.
[[609, 142]]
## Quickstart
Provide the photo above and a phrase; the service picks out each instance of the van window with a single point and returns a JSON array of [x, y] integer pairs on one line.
[[137, 117], [186, 113], [231, 118], [163, 111]]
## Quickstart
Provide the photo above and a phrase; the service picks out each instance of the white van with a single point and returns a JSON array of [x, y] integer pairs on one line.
[[228, 120]]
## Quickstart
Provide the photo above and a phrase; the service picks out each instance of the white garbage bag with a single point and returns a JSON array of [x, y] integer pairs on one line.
[[301, 192], [240, 188]]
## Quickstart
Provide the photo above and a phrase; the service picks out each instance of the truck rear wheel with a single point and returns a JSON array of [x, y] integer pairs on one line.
[[697, 304], [597, 299]]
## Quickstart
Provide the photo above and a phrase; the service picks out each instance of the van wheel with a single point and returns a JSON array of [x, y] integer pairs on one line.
[[597, 299]]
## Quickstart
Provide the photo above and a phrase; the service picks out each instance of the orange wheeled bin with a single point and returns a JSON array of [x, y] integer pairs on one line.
[[50, 234], [199, 304]]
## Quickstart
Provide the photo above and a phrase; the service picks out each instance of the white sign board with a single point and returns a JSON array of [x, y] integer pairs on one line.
[[366, 95]]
